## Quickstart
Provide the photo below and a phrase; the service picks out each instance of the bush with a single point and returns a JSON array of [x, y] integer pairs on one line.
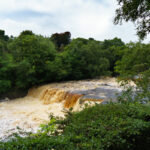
[[102, 127]]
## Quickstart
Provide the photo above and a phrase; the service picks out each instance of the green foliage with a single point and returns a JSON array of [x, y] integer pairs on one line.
[[102, 127], [61, 39], [137, 11], [135, 66], [114, 42], [111, 126], [1, 47], [135, 60], [46, 129], [26, 32], [29, 60], [62, 69], [32, 54], [86, 59], [2, 33], [3, 36], [113, 49], [6, 70], [5, 85]]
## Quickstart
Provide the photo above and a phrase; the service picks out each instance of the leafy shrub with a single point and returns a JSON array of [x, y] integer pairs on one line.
[[102, 127]]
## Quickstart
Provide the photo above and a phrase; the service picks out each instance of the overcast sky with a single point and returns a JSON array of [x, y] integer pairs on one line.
[[83, 18]]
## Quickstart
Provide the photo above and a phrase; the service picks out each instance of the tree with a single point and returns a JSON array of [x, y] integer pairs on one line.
[[137, 11], [86, 58], [135, 60], [6, 71], [26, 32], [113, 48], [3, 36], [32, 57], [61, 40], [135, 66], [2, 33], [2, 47]]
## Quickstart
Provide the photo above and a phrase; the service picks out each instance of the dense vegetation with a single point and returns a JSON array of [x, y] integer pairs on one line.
[[103, 127], [137, 11], [29, 59]]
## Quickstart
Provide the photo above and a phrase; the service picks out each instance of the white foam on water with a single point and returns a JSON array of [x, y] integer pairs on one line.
[[29, 112]]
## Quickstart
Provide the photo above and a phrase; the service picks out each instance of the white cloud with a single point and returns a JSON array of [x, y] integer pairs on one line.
[[83, 18]]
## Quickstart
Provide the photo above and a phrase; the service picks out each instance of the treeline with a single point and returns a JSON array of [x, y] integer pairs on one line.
[[31, 59]]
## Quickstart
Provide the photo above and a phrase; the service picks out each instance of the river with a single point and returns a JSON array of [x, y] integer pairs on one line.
[[30, 111]]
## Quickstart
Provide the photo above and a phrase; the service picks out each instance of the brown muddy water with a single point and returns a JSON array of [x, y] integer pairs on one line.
[[29, 112]]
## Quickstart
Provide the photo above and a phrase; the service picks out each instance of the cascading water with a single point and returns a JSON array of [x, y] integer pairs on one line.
[[29, 112], [50, 96]]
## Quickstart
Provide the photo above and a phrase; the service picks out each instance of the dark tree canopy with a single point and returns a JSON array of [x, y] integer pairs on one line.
[[26, 32], [61, 39], [137, 11], [3, 36], [2, 33], [113, 42]]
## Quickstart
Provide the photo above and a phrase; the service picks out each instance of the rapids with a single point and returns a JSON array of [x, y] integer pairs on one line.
[[29, 112]]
